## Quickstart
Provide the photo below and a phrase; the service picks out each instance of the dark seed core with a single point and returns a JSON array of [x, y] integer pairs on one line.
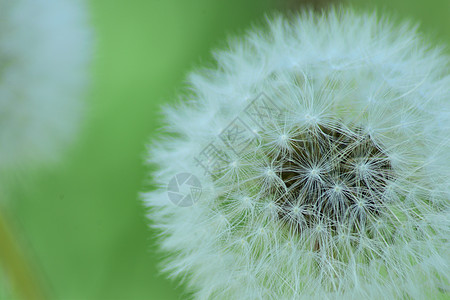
[[332, 176]]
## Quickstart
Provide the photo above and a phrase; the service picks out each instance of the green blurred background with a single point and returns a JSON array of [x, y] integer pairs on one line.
[[81, 220]]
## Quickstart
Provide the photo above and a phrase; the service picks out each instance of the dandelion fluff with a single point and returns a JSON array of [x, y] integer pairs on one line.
[[44, 53], [322, 149]]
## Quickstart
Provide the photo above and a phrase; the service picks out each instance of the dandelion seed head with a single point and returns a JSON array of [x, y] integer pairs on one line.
[[339, 192]]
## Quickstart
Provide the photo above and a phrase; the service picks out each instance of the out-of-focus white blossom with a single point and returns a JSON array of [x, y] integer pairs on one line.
[[320, 148], [44, 55]]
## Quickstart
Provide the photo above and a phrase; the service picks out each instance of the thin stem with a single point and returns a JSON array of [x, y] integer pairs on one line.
[[15, 264]]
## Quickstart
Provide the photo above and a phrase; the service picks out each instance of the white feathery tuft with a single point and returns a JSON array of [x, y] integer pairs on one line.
[[321, 145]]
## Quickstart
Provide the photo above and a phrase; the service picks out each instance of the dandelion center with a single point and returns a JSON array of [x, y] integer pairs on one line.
[[337, 174]]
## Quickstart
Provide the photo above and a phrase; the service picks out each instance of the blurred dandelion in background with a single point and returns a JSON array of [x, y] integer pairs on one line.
[[44, 56], [321, 148], [44, 52]]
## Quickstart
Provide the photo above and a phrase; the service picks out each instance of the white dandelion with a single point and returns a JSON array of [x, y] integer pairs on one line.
[[321, 145], [44, 56]]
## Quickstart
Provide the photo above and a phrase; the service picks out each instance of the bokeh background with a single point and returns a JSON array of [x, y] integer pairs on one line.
[[81, 221]]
